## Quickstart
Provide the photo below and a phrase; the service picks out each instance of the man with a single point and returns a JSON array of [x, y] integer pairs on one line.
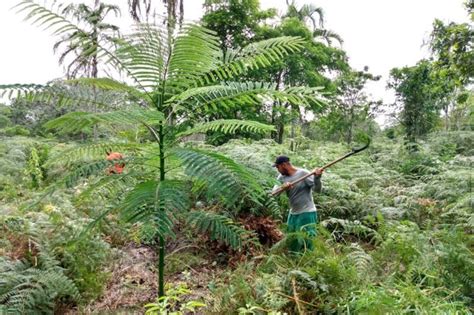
[[303, 215]]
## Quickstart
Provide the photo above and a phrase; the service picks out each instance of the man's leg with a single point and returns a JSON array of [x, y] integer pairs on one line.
[[295, 243], [308, 223], [303, 222]]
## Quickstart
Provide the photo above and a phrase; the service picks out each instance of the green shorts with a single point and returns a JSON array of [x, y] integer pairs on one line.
[[305, 222]]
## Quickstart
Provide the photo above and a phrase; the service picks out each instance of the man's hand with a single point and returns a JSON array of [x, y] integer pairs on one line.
[[318, 171], [287, 186]]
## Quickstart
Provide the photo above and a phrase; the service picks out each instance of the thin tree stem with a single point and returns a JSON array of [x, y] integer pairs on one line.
[[161, 262]]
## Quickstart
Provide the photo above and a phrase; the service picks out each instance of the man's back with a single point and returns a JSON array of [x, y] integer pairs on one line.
[[300, 196]]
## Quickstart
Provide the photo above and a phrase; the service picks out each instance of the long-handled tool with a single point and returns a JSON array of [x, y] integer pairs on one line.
[[281, 189]]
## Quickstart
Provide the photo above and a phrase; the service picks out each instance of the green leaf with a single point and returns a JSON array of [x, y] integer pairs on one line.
[[220, 227], [80, 121], [229, 126]]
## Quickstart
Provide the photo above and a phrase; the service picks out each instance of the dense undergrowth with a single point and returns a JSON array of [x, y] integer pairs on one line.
[[395, 234]]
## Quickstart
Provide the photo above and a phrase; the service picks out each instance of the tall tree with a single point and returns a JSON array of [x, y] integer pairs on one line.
[[418, 98], [85, 60], [142, 9], [236, 22], [351, 107], [172, 79], [310, 68], [452, 49], [306, 13]]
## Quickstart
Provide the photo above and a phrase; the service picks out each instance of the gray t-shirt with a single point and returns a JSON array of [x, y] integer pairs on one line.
[[301, 197]]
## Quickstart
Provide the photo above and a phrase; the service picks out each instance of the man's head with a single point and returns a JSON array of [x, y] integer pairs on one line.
[[283, 165]]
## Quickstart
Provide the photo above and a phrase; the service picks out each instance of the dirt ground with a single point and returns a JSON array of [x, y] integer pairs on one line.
[[133, 281]]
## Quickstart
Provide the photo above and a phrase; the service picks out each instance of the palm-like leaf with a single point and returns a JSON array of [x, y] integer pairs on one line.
[[92, 152], [235, 94], [143, 55], [254, 56], [45, 18], [155, 201], [220, 227], [62, 94], [229, 181], [89, 46], [229, 126], [79, 121]]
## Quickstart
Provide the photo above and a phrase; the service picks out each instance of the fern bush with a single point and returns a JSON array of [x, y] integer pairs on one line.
[[25, 288], [56, 226]]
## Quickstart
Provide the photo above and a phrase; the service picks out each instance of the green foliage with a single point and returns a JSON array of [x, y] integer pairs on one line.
[[80, 121], [350, 110], [227, 181], [26, 288], [172, 303], [420, 101], [84, 260], [220, 227], [4, 121], [227, 18], [366, 258], [232, 20], [394, 233], [229, 126], [16, 131], [35, 167]]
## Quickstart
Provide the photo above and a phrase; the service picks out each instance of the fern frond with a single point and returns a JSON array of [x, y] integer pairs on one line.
[[109, 186], [80, 121], [232, 94], [20, 90], [362, 261], [44, 17], [220, 227], [28, 289], [229, 126], [300, 96], [143, 54], [229, 95], [227, 180], [154, 200], [254, 56], [86, 170], [60, 94], [106, 84], [340, 227], [94, 151], [195, 51]]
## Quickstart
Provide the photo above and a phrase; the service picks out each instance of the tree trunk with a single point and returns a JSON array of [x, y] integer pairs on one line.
[[161, 261], [94, 74], [446, 117], [292, 135], [278, 134], [280, 130]]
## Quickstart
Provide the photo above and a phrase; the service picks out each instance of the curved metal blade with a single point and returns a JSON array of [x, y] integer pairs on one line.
[[356, 150]]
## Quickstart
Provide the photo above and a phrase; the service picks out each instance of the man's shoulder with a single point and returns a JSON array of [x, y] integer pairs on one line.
[[302, 171]]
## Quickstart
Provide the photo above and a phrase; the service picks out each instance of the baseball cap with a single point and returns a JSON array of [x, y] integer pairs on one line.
[[281, 159]]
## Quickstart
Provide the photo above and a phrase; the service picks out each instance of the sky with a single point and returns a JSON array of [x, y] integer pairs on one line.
[[380, 34]]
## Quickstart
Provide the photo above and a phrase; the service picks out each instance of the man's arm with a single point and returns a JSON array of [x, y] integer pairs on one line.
[[318, 186], [284, 186]]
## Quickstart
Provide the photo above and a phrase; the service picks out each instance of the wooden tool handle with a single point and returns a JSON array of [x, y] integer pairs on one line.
[[281, 189]]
